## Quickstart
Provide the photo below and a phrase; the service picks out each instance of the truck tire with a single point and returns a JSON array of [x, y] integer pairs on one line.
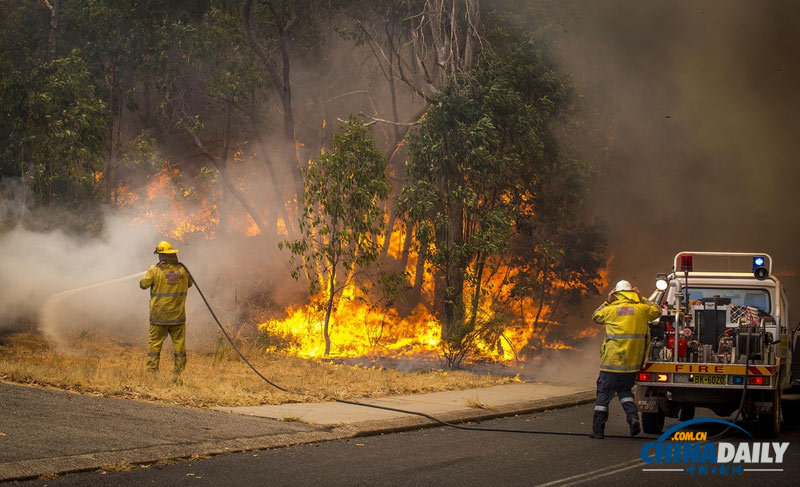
[[769, 424], [653, 423], [686, 413]]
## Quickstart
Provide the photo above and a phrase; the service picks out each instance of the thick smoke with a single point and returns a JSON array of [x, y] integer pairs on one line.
[[695, 106], [35, 265], [50, 277]]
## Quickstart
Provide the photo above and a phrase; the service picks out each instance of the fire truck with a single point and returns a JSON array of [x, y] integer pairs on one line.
[[723, 342]]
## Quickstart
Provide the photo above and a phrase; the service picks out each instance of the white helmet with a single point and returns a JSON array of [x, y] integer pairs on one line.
[[623, 286]]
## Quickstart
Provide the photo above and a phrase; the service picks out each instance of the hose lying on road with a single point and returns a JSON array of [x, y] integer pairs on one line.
[[375, 406]]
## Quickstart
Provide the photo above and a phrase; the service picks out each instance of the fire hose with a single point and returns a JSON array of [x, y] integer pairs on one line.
[[744, 392], [375, 406]]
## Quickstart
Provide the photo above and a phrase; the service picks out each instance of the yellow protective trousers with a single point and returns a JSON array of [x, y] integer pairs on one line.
[[156, 337]]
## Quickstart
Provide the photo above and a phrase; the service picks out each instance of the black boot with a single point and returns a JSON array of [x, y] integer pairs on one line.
[[599, 425], [635, 428]]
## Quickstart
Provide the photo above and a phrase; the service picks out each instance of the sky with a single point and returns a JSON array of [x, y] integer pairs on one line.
[[695, 106]]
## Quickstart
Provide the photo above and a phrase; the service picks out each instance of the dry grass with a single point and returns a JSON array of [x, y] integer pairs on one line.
[[474, 403], [93, 364]]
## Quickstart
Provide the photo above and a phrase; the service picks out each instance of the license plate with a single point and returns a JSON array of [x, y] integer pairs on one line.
[[717, 380]]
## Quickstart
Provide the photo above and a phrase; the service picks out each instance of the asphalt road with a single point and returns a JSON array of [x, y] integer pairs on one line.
[[445, 456], [80, 424]]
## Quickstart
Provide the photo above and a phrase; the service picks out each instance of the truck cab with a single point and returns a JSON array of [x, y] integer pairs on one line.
[[723, 342]]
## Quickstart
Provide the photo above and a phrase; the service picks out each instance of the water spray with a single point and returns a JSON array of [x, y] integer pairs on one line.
[[48, 314]]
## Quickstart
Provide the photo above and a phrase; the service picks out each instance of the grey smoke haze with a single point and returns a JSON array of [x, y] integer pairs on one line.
[[696, 104], [573, 367]]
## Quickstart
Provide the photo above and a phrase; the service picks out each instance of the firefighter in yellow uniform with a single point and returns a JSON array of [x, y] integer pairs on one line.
[[168, 282], [626, 316]]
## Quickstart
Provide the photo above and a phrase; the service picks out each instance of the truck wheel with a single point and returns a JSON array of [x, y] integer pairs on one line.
[[792, 407], [653, 423], [769, 424], [687, 413]]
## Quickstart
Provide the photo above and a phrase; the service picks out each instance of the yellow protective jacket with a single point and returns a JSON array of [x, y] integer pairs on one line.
[[626, 331], [168, 285]]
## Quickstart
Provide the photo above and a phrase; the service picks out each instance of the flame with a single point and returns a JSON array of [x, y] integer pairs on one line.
[[175, 209], [355, 330], [358, 329], [396, 240], [589, 332], [178, 210], [604, 272]]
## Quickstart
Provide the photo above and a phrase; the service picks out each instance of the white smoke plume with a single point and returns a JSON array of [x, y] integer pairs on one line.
[[72, 284]]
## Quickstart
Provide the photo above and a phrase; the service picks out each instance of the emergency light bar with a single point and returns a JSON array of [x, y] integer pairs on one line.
[[686, 263], [762, 262]]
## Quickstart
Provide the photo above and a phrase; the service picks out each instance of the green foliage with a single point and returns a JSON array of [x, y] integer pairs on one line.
[[342, 213], [54, 128], [556, 264], [485, 171], [301, 21], [202, 64], [23, 34], [464, 335], [141, 153]]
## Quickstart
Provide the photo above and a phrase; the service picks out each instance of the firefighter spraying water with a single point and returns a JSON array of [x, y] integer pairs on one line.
[[625, 316], [169, 314], [169, 283]]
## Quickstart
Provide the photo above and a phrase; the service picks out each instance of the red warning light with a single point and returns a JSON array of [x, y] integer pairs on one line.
[[686, 263]]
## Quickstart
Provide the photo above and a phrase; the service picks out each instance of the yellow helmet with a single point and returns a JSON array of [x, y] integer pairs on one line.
[[165, 247]]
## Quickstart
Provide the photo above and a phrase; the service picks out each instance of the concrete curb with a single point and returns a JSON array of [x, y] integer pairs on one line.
[[31, 469]]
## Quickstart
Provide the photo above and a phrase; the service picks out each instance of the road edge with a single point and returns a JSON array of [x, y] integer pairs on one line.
[[55, 466]]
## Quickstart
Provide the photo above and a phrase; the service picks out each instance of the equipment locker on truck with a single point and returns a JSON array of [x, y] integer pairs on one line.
[[723, 342]]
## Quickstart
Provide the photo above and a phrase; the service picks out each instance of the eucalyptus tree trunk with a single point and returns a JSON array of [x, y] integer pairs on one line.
[[55, 15], [328, 309]]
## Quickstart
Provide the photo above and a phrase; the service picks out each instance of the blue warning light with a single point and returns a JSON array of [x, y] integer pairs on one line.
[[758, 261]]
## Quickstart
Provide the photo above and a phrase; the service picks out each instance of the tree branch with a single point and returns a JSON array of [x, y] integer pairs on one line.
[[233, 189], [269, 65], [374, 120]]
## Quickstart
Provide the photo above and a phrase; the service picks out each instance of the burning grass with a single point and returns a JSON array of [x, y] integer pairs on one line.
[[215, 376]]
